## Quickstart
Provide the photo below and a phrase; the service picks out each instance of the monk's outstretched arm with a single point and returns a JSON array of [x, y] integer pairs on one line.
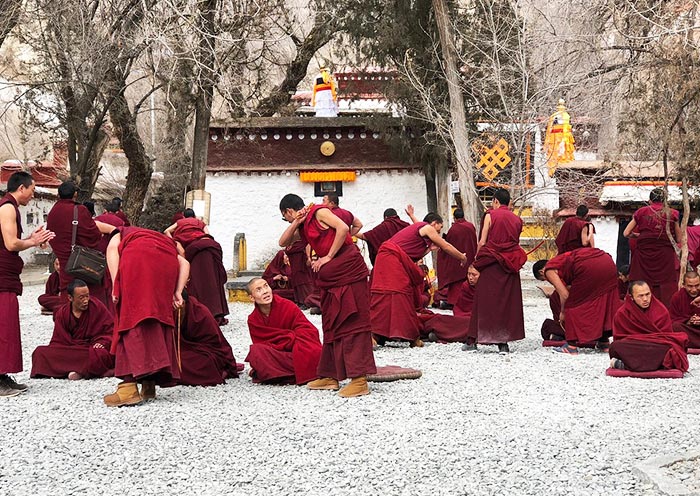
[[553, 277], [433, 235], [629, 230], [104, 227], [170, 229], [328, 218], [356, 226], [183, 275], [410, 212]]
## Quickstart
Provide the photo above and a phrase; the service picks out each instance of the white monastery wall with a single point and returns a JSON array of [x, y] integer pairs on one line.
[[33, 216], [606, 232]]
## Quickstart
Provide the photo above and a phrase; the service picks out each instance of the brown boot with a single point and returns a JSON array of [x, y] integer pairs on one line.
[[148, 390], [126, 394], [418, 343], [357, 387], [324, 383]]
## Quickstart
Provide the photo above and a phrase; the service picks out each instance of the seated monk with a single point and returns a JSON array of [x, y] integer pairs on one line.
[[286, 348], [623, 281], [684, 314], [278, 276], [82, 335], [206, 357], [643, 335], [51, 300], [551, 328]]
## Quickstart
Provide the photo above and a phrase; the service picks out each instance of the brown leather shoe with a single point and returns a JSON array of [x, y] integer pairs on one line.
[[148, 390], [357, 387], [418, 343], [126, 394], [324, 383]]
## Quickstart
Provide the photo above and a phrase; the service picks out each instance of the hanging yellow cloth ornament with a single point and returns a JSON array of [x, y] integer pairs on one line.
[[558, 140], [325, 97]]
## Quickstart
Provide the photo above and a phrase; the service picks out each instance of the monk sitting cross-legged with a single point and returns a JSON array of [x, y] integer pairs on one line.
[[82, 336], [286, 348], [278, 275], [643, 336], [684, 313], [51, 299]]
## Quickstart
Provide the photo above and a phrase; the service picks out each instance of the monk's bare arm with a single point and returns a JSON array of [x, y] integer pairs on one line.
[[587, 236], [170, 229], [206, 229], [356, 226], [183, 275], [484, 232], [112, 256], [328, 218], [104, 227], [552, 276], [180, 249], [359, 235], [291, 234], [433, 235], [8, 225], [629, 230], [410, 212]]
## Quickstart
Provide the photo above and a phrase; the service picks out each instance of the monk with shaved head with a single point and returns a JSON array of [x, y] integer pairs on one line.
[[684, 314]]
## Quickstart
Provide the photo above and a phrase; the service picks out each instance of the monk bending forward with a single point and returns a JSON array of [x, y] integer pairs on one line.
[[342, 279], [148, 277]]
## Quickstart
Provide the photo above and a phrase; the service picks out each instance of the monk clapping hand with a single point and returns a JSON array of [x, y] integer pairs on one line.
[[41, 236]]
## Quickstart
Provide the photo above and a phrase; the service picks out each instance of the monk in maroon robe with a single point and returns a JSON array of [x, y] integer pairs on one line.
[[89, 234], [388, 227], [20, 190], [302, 278], [643, 336], [332, 201], [51, 299], [278, 274], [342, 278], [623, 281], [576, 232], [286, 348], [206, 356], [586, 281], [654, 258], [451, 273], [497, 316], [108, 217], [148, 277], [82, 337], [684, 314], [397, 281], [207, 273], [119, 212]]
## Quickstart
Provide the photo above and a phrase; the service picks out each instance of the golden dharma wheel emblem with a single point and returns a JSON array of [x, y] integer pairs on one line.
[[327, 148]]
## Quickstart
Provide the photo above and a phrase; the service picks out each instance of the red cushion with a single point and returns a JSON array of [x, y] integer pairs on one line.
[[390, 373], [693, 351], [656, 374], [551, 343]]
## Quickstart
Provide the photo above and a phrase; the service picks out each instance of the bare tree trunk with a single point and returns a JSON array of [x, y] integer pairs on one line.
[[443, 179], [460, 138], [684, 230]]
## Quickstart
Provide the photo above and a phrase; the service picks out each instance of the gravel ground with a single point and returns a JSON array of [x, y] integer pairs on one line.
[[686, 472], [529, 423]]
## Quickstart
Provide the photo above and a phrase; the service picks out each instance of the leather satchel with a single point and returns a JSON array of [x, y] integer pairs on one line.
[[85, 263]]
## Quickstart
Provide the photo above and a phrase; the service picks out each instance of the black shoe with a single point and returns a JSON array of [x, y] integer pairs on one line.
[[469, 347], [616, 363], [432, 337], [503, 348], [10, 382], [6, 391], [445, 306], [315, 311]]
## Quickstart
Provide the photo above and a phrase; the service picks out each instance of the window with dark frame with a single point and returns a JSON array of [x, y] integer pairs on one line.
[[328, 188]]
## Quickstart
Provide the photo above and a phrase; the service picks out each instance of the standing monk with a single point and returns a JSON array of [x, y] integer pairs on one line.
[[576, 232], [397, 282], [654, 258], [342, 278], [20, 190], [148, 277], [109, 217], [333, 202], [375, 237], [450, 273], [684, 314], [497, 316]]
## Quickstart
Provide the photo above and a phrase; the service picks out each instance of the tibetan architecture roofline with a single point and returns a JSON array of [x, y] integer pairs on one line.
[[297, 122], [311, 167]]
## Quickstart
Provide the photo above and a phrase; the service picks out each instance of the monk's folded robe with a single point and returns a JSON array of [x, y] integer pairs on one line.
[[301, 278], [72, 346], [446, 328], [569, 237], [277, 267], [451, 273], [51, 299], [593, 299], [286, 348], [207, 275], [465, 302], [654, 258], [381, 233], [644, 339], [497, 316], [11, 265], [681, 310], [206, 356], [345, 215], [551, 328], [143, 341]]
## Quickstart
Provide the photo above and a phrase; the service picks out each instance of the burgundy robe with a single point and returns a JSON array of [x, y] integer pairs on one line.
[[465, 303], [144, 331], [644, 339], [51, 299], [302, 278], [345, 215], [286, 348], [71, 348], [111, 219], [207, 275], [278, 267], [384, 231], [593, 299], [207, 357], [569, 237], [681, 310], [120, 213], [450, 272], [450, 328], [497, 315], [11, 265], [654, 259], [551, 328]]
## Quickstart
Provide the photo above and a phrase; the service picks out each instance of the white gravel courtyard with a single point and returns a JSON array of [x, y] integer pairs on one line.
[[529, 423]]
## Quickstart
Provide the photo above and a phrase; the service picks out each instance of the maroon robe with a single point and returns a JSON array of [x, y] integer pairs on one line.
[[120, 213], [111, 219], [384, 231], [144, 331], [207, 275], [71, 348], [345, 215], [11, 265], [681, 310], [465, 303], [551, 328], [450, 272], [51, 299], [302, 278], [654, 259], [593, 300], [644, 339], [449, 328], [286, 348], [278, 267], [497, 315], [569, 237], [207, 357]]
